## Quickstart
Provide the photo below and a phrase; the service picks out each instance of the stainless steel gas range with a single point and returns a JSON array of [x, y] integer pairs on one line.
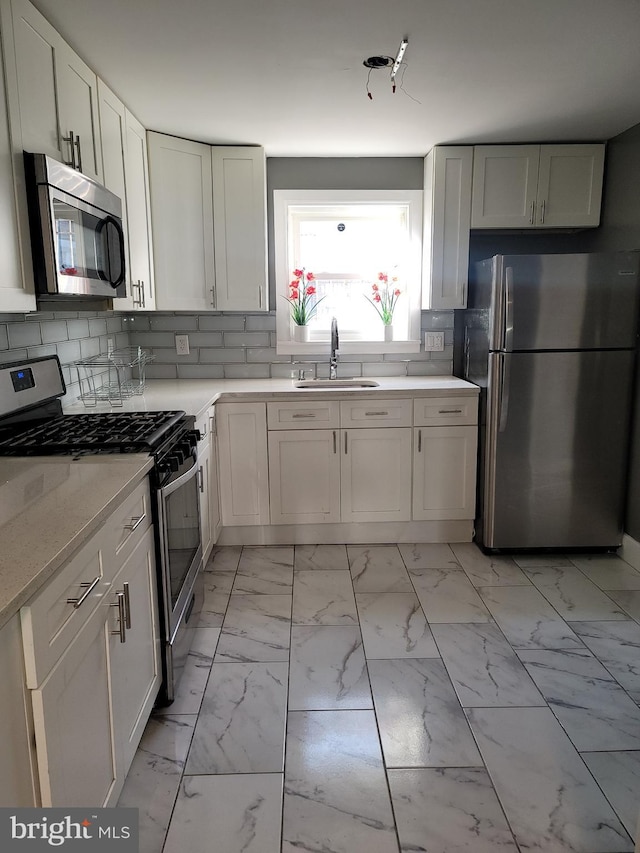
[[32, 423]]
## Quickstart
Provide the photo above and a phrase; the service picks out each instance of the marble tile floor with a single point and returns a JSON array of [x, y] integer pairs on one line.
[[398, 699]]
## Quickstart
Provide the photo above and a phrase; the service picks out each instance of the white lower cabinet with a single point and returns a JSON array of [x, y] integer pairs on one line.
[[376, 474], [304, 476], [244, 474], [93, 687], [17, 758], [208, 482], [444, 472]]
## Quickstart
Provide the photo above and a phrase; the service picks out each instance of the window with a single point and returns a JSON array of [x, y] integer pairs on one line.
[[346, 238]]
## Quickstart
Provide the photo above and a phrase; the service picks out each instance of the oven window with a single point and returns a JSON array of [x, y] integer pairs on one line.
[[183, 534]]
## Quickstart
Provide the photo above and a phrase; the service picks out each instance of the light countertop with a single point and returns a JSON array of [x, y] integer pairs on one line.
[[49, 507], [195, 395]]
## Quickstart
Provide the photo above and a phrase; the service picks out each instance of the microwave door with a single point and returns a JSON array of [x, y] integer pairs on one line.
[[110, 249]]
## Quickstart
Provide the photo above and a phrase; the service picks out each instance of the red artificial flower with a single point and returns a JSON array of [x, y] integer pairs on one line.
[[310, 290], [294, 294], [298, 273], [397, 291], [375, 287], [310, 276], [382, 276], [377, 297]]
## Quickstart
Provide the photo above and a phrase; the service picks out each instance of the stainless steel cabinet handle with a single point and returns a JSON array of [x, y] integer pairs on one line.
[[542, 211], [127, 605], [345, 441], [71, 140], [532, 214], [260, 296], [212, 290], [79, 166], [449, 411], [335, 442], [122, 617], [201, 478], [137, 285], [419, 441], [372, 414], [304, 415], [143, 300], [88, 587], [136, 521]]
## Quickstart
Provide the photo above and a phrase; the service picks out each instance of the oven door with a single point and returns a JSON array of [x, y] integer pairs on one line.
[[179, 540]]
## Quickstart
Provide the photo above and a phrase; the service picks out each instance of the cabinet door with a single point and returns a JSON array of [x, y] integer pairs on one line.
[[135, 663], [304, 476], [570, 185], [447, 220], [444, 472], [74, 726], [214, 491], [16, 271], [77, 89], [240, 228], [505, 181], [376, 474], [36, 44], [242, 454], [16, 760], [136, 172], [182, 223]]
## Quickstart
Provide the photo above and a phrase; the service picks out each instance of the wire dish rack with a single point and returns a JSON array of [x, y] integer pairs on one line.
[[112, 377]]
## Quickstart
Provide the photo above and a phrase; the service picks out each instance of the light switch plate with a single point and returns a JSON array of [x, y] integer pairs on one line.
[[434, 341]]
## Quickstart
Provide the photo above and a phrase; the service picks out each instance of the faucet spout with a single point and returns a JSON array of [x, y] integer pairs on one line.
[[335, 343]]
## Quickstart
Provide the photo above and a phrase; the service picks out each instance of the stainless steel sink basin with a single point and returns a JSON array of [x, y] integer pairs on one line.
[[336, 383]]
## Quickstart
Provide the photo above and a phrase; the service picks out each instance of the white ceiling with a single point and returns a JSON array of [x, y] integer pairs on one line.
[[288, 74]]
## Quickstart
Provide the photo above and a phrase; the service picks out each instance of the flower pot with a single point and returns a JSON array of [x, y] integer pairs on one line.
[[301, 334], [388, 333]]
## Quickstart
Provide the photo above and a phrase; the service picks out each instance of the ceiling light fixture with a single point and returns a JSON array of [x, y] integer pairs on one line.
[[383, 61], [398, 61]]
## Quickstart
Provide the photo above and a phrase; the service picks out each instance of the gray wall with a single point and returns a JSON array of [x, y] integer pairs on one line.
[[620, 230]]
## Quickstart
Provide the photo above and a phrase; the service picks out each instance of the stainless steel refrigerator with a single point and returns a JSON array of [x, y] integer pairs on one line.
[[551, 341]]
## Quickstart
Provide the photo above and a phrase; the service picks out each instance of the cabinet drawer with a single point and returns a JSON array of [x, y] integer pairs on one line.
[[375, 413], [126, 527], [50, 622], [314, 414], [443, 411]]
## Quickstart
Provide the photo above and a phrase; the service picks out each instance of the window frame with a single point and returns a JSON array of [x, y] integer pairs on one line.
[[282, 201]]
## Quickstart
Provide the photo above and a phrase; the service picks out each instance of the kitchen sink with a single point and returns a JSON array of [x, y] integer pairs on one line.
[[336, 383]]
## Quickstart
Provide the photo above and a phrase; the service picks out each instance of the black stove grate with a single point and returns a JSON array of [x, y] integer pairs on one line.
[[99, 432]]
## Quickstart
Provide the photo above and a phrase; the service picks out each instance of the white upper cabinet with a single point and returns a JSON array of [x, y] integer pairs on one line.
[[240, 228], [537, 186], [447, 221], [124, 160], [16, 271], [57, 93], [182, 223], [208, 213]]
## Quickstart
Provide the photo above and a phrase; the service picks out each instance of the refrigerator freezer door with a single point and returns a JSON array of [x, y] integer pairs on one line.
[[568, 302], [553, 449]]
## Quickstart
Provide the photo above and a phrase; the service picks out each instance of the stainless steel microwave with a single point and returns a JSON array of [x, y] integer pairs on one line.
[[77, 240]]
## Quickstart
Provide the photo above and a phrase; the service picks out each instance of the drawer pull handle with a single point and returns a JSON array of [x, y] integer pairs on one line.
[[304, 415], [335, 442], [88, 587], [127, 605], [370, 414], [449, 411], [201, 479], [135, 522], [419, 441], [122, 617]]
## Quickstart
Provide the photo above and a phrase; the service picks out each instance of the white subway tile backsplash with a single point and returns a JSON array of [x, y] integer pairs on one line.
[[223, 355], [286, 371], [265, 354], [429, 368], [200, 371], [218, 322], [173, 322], [78, 329], [384, 368], [161, 371], [246, 371], [97, 327], [247, 339], [152, 339], [205, 339], [4, 338], [42, 351], [169, 356], [437, 320], [68, 351], [261, 322], [54, 331], [24, 334], [136, 322]]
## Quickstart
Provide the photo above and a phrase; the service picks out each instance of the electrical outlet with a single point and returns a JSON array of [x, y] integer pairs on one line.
[[182, 344], [434, 341]]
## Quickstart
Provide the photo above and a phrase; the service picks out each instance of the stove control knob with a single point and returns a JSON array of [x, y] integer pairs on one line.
[[174, 461]]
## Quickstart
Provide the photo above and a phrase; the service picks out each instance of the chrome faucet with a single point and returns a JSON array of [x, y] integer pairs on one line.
[[333, 360]]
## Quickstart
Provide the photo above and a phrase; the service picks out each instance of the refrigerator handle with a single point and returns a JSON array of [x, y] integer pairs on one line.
[[504, 391], [508, 314]]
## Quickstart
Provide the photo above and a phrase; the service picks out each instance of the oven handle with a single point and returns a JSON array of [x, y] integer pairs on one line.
[[165, 491]]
